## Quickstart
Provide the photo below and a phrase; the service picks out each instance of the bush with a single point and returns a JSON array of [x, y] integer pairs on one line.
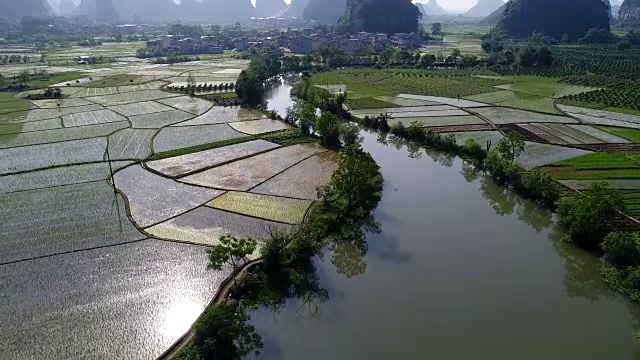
[[350, 134], [539, 186], [502, 170], [472, 150], [588, 219], [398, 130], [622, 248], [328, 127], [383, 125]]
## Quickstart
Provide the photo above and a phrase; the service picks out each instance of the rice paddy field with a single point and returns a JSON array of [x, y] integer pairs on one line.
[[87, 243]]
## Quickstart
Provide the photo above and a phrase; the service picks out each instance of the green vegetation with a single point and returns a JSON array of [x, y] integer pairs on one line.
[[119, 80], [366, 83], [223, 332], [369, 103], [231, 251], [250, 84], [632, 135]]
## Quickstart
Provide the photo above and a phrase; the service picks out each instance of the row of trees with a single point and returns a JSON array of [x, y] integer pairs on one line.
[[250, 83], [590, 220]]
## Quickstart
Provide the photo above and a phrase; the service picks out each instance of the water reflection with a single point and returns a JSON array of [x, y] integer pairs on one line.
[[180, 313]]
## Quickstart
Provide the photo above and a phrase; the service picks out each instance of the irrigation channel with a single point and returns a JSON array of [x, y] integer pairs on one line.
[[462, 269]]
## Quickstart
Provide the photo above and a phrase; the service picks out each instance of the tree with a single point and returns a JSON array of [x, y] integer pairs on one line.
[[436, 28], [350, 134], [622, 248], [191, 80], [588, 219], [328, 127], [356, 186], [224, 332], [231, 251], [23, 77], [511, 146]]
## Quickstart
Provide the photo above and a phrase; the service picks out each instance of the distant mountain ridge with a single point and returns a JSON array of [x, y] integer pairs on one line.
[[325, 11], [629, 14], [484, 8], [22, 8], [572, 17], [433, 8]]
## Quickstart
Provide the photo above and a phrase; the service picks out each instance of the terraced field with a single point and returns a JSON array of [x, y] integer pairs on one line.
[[77, 236]]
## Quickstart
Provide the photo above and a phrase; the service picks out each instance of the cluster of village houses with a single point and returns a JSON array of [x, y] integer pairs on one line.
[[304, 43]]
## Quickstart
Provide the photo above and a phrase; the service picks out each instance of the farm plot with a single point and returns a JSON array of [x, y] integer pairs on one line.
[[536, 155], [60, 135], [131, 144], [53, 104], [481, 137], [363, 112], [222, 115], [302, 180], [50, 221], [274, 208], [159, 120], [153, 199], [625, 184], [255, 127], [158, 286], [28, 158], [140, 108], [499, 115], [594, 120], [462, 103], [190, 163], [633, 135], [40, 125], [439, 121], [517, 100], [91, 118], [405, 102], [603, 136], [206, 225], [44, 114], [193, 105], [171, 138], [419, 114], [245, 174], [15, 106], [96, 91], [67, 175], [593, 113], [128, 98], [573, 135], [147, 86]]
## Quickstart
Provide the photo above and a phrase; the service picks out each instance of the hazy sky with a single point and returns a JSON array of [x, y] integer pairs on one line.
[[451, 5]]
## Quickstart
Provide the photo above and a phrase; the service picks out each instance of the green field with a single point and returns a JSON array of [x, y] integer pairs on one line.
[[369, 83], [595, 166], [632, 135]]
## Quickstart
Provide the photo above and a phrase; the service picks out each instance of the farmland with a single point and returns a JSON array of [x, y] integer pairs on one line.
[[70, 217]]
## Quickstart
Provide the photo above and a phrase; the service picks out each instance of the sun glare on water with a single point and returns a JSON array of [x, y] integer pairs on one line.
[[181, 313]]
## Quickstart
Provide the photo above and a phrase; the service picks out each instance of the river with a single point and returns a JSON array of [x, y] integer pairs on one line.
[[461, 270]]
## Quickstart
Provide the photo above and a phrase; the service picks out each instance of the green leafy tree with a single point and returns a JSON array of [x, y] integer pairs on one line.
[[436, 28], [538, 185], [191, 80], [356, 186], [511, 146], [622, 248], [23, 77], [350, 134], [224, 332], [328, 127], [231, 251], [588, 219]]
